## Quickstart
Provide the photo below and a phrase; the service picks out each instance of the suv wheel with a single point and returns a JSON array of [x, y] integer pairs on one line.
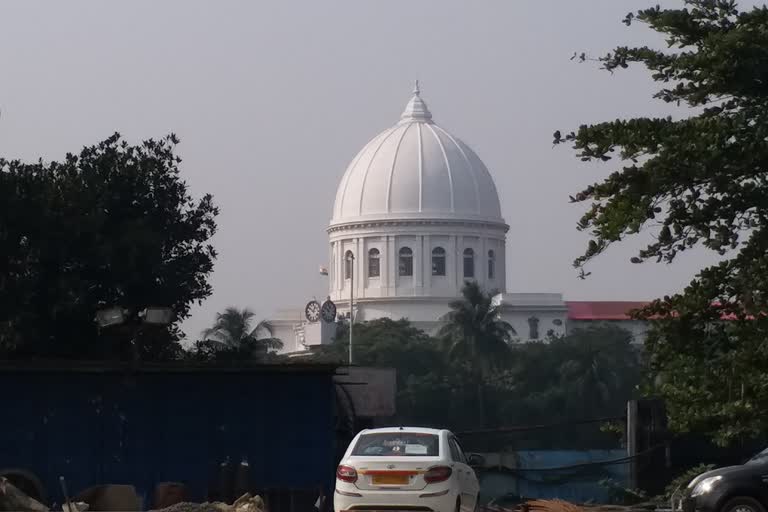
[[743, 504]]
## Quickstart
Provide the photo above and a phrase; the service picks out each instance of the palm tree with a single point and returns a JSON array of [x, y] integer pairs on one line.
[[475, 334], [233, 330], [600, 367]]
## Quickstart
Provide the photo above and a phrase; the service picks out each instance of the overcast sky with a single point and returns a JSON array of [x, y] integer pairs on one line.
[[272, 99]]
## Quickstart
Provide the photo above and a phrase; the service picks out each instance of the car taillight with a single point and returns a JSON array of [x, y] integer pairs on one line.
[[346, 474], [437, 474]]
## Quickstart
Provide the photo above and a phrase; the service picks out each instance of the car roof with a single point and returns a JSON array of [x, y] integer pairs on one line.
[[415, 430]]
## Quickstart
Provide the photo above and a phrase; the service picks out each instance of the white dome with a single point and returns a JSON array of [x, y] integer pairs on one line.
[[416, 170]]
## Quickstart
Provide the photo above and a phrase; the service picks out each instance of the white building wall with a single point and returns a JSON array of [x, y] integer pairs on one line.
[[421, 238]]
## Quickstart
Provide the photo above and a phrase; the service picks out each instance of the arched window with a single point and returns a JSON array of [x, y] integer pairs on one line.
[[491, 265], [533, 328], [438, 261], [348, 260], [469, 263], [406, 262], [374, 267]]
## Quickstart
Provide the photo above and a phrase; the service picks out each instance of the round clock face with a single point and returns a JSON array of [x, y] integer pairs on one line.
[[312, 311], [328, 311]]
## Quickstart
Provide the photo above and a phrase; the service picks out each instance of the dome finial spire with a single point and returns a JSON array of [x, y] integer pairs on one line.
[[416, 109]]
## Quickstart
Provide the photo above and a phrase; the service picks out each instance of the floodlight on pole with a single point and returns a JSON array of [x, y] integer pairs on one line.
[[157, 316], [111, 316]]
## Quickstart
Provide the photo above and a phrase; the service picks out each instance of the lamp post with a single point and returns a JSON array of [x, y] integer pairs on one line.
[[351, 259]]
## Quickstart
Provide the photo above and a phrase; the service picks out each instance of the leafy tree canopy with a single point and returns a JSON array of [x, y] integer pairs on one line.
[[111, 226], [539, 382], [590, 373], [697, 181]]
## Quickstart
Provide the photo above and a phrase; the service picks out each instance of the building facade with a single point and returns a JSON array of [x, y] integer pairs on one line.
[[417, 214]]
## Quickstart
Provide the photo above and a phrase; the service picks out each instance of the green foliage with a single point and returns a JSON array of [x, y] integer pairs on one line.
[[233, 337], [475, 336], [113, 225], [474, 331], [695, 181], [425, 379], [682, 481], [620, 495], [535, 385], [590, 373]]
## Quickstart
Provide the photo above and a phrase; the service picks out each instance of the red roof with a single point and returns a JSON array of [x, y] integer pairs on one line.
[[602, 310], [618, 310]]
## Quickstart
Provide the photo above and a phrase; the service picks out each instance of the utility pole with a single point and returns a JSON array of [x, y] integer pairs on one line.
[[351, 301], [632, 450]]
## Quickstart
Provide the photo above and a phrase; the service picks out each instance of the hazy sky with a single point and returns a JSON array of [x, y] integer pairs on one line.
[[272, 100]]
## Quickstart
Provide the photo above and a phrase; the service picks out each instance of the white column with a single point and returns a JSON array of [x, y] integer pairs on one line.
[[483, 264], [426, 250], [459, 262], [340, 264], [331, 268], [360, 258], [392, 253], [454, 263], [501, 264], [418, 265], [384, 266]]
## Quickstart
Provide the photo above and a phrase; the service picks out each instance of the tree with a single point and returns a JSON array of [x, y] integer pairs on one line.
[[540, 383], [598, 368], [476, 335], [587, 374], [233, 335], [430, 390], [699, 180], [111, 226]]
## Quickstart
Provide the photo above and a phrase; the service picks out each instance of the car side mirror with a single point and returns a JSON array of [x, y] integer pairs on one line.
[[475, 460]]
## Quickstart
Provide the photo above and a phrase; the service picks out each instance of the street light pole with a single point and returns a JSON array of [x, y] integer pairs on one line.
[[351, 301]]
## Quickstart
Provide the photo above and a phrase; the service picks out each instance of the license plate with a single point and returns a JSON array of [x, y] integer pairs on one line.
[[390, 479]]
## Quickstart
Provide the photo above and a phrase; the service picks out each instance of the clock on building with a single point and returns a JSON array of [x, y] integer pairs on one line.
[[328, 311], [312, 311]]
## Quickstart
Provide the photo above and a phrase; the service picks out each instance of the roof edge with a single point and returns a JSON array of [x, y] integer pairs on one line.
[[114, 367]]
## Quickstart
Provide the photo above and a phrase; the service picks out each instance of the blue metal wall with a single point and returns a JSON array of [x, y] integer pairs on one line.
[[154, 427]]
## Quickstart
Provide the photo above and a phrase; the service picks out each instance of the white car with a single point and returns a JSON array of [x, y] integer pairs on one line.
[[403, 468]]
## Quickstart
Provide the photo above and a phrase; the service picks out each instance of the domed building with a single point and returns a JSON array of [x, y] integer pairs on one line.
[[416, 215]]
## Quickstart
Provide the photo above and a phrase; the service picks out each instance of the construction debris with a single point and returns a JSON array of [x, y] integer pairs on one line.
[[75, 507], [245, 503], [248, 503], [13, 500], [552, 506], [110, 497], [565, 506], [169, 493]]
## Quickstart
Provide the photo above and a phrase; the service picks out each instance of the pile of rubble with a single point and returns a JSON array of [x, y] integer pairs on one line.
[[555, 505], [245, 503], [120, 497], [565, 506]]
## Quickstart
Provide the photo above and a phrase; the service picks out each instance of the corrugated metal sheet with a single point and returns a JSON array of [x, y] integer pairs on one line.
[[145, 428]]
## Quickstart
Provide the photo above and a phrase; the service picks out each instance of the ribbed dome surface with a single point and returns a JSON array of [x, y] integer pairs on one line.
[[416, 169]]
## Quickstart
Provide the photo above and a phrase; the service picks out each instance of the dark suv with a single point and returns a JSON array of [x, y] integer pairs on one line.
[[733, 489]]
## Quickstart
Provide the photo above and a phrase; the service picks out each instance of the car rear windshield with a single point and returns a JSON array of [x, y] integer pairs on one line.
[[398, 444]]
